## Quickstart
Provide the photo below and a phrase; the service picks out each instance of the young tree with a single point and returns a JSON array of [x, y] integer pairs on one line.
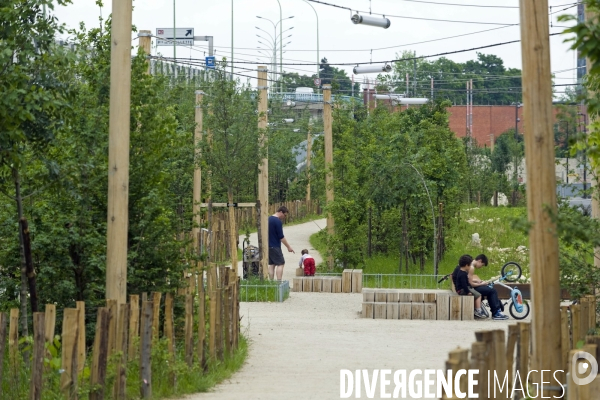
[[34, 106]]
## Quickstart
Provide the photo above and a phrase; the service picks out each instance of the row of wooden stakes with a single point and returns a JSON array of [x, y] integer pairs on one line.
[[349, 282], [398, 304], [129, 330], [510, 356]]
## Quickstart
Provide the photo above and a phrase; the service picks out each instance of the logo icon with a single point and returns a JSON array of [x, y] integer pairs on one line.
[[161, 32], [586, 368]]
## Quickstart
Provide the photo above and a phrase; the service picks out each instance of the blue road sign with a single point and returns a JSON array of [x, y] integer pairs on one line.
[[210, 62]]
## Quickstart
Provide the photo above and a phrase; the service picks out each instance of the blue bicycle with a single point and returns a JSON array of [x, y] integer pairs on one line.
[[511, 272]]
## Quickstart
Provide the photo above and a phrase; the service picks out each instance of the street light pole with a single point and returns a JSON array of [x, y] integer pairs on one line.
[[231, 62], [280, 44], [318, 58]]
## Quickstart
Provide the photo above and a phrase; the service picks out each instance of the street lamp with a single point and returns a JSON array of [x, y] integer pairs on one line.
[[372, 21], [280, 34], [318, 59], [369, 69]]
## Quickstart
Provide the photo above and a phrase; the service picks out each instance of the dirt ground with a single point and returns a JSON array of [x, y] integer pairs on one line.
[[298, 347]]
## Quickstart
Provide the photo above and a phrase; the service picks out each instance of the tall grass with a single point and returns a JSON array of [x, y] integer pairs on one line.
[[170, 377], [498, 240]]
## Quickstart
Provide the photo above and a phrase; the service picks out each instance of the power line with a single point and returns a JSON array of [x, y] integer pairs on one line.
[[461, 5]]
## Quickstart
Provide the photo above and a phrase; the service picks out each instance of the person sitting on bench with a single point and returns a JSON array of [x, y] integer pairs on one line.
[[460, 283]]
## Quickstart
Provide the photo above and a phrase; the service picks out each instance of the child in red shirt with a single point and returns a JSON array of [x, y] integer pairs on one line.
[[308, 262]]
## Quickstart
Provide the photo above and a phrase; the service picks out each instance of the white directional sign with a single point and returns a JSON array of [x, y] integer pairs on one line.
[[182, 37]]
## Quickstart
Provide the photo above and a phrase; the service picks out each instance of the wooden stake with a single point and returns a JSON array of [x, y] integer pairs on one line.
[[513, 337], [122, 336], [3, 321], [169, 323], [263, 170], [156, 296], [541, 187], [13, 341], [227, 318], [100, 355], [70, 335], [523, 350], [134, 325], [145, 38], [197, 195], [118, 151], [212, 341], [35, 388], [113, 313], [189, 330], [50, 323], [81, 337], [201, 321], [146, 350], [327, 127]]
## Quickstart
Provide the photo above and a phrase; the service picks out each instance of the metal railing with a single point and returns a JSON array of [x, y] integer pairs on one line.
[[264, 291], [400, 281]]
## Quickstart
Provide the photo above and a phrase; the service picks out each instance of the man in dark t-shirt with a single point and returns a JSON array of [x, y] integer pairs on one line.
[[276, 238]]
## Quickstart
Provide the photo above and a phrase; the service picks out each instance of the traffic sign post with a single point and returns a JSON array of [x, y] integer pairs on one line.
[[210, 62], [182, 37], [317, 82]]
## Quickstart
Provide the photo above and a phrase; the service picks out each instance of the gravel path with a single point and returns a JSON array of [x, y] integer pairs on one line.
[[298, 347]]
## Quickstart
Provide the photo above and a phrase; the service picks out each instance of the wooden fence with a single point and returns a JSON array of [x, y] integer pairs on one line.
[[125, 332], [493, 352]]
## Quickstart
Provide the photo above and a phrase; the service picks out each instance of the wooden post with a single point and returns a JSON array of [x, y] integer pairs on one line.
[[197, 198], [201, 321], [233, 237], [308, 155], [156, 296], [479, 353], [50, 323], [523, 350], [189, 330], [565, 336], [37, 369], [113, 312], [263, 170], [513, 337], [118, 151], [81, 337], [328, 132], [122, 336], [100, 355], [212, 340], [541, 189], [169, 323], [146, 350], [145, 38], [3, 321], [70, 335], [227, 318], [134, 325], [13, 340]]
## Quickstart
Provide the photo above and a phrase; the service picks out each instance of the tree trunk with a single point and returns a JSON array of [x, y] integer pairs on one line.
[[29, 264], [260, 243], [495, 198], [23, 293]]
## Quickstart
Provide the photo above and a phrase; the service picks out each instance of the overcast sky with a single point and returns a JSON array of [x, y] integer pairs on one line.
[[339, 39]]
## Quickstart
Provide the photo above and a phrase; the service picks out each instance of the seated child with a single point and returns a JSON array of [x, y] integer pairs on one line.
[[308, 262], [460, 278]]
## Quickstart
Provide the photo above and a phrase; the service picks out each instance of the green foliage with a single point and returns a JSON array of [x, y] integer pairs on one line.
[[493, 83]]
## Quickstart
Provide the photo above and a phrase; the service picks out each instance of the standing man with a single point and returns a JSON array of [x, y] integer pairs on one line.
[[276, 238]]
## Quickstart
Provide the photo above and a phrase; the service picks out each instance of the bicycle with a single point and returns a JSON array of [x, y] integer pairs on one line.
[[517, 307], [510, 272]]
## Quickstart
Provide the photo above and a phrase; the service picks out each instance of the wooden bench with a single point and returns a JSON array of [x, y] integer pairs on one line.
[[349, 282], [416, 304]]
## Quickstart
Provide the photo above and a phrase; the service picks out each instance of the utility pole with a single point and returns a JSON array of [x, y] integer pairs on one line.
[[118, 151], [197, 197], [263, 171], [174, 43], [541, 191], [231, 40], [145, 38], [327, 127]]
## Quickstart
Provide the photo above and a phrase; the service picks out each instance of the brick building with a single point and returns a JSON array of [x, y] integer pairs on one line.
[[489, 122]]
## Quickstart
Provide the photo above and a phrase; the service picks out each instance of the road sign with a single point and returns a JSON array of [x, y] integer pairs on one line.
[[210, 62], [317, 82], [182, 37]]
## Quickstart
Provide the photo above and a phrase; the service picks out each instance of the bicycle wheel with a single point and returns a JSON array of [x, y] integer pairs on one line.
[[511, 271], [519, 315]]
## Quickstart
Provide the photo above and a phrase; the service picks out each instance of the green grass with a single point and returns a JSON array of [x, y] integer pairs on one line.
[[499, 241], [257, 290]]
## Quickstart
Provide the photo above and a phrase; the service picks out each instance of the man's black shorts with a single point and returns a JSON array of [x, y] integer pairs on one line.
[[276, 256]]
